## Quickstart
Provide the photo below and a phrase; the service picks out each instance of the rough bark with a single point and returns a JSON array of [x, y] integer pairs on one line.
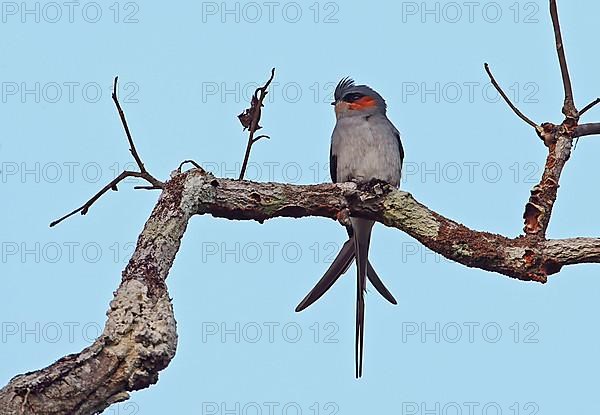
[[138, 340], [524, 257], [559, 140]]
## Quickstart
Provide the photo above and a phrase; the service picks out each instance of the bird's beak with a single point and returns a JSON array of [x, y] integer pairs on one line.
[[333, 103]]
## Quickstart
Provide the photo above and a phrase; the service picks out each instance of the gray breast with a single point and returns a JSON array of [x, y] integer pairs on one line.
[[367, 148]]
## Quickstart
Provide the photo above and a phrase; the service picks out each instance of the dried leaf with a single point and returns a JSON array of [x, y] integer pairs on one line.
[[248, 115]]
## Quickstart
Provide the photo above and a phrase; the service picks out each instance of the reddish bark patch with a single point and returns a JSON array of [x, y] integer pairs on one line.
[[171, 196], [145, 269], [529, 257], [532, 218]]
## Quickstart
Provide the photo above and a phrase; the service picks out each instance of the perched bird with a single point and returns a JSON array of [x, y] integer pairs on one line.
[[365, 146]]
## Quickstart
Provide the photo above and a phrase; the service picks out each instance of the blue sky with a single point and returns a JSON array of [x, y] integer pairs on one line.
[[459, 338]]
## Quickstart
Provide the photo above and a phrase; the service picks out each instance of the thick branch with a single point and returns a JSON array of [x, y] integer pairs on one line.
[[523, 258], [139, 338], [574, 250], [587, 129], [559, 140]]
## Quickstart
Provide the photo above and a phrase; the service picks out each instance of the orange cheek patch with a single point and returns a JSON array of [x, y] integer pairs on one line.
[[363, 103]]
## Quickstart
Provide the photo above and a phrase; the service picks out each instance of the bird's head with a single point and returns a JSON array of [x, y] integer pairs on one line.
[[352, 100]]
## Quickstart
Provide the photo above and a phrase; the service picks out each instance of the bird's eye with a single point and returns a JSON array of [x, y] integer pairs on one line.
[[352, 97]]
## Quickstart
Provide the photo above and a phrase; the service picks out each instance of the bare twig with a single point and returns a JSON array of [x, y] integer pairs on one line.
[[251, 117], [510, 104], [147, 176], [192, 162], [568, 109], [255, 139], [589, 106], [146, 188], [110, 186], [132, 148], [142, 174]]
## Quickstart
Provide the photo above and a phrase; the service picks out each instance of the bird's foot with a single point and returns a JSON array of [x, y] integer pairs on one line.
[[376, 186]]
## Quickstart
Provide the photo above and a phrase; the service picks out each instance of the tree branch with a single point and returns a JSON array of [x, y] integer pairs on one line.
[[507, 100], [110, 186], [587, 129], [522, 257], [139, 338], [559, 140], [568, 109], [250, 119], [143, 173], [589, 106], [184, 162]]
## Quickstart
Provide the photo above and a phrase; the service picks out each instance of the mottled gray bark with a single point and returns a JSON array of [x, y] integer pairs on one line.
[[525, 257], [139, 338]]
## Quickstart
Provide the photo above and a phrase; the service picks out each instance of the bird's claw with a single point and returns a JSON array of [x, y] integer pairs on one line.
[[376, 186]]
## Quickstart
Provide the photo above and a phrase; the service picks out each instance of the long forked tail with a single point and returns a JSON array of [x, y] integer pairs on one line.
[[362, 237], [339, 266], [378, 284]]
